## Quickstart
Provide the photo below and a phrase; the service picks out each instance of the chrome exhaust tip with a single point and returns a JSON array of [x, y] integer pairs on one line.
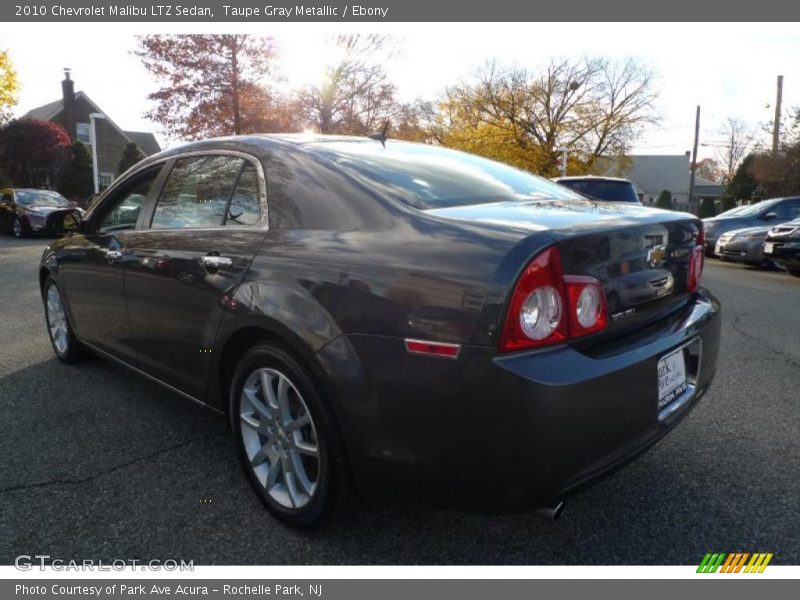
[[551, 512]]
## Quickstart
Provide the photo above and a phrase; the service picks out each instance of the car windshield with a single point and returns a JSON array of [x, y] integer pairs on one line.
[[603, 189], [429, 177], [754, 209], [40, 198], [733, 211]]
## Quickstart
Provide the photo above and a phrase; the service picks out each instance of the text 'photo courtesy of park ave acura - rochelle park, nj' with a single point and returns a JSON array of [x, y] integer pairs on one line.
[[343, 293]]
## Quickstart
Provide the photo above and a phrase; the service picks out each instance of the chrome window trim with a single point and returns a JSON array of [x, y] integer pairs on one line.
[[263, 222]]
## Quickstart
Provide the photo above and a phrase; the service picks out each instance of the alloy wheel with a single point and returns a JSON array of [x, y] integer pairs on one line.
[[57, 320], [279, 438], [17, 228]]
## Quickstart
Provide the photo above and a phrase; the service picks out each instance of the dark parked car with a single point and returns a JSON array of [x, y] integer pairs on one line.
[[745, 246], [607, 189], [783, 244], [767, 212], [403, 319], [26, 211]]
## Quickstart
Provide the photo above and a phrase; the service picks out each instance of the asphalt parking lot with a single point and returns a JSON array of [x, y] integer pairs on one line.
[[97, 463]]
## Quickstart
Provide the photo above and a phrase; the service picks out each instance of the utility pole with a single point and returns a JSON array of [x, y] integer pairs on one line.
[[777, 129], [694, 155]]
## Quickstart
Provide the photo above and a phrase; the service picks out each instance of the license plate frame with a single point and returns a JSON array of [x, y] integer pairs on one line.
[[769, 247]]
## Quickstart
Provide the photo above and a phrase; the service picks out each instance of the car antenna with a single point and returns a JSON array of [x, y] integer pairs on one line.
[[381, 135]]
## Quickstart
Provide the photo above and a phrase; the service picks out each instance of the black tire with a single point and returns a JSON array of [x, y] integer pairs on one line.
[[795, 272], [74, 351], [18, 228], [333, 484]]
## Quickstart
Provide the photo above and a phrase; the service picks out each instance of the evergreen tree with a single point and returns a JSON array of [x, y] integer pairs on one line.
[[130, 156], [75, 179], [664, 200]]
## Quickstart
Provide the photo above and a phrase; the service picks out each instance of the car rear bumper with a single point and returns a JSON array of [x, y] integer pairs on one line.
[[508, 432]]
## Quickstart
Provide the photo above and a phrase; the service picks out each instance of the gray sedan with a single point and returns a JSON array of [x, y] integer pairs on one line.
[[745, 246], [765, 213]]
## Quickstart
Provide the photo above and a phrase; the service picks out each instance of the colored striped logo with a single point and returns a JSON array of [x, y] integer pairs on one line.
[[734, 562]]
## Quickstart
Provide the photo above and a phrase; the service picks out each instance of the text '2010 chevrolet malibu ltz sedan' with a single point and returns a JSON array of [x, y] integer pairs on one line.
[[381, 316]]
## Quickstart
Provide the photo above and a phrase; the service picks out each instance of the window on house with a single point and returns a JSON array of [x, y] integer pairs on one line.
[[83, 130], [104, 180]]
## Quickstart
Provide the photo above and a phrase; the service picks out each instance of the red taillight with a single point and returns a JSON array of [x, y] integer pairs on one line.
[[587, 302], [696, 261], [548, 308]]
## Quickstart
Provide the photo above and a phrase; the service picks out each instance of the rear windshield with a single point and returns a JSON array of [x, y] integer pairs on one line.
[[429, 177], [600, 189]]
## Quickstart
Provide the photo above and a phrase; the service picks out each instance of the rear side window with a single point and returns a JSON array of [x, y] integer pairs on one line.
[[245, 206], [208, 191], [610, 191]]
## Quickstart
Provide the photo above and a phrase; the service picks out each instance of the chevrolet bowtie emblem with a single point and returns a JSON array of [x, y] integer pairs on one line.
[[656, 256]]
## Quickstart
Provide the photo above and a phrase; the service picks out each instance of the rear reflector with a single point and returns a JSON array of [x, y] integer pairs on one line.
[[433, 348]]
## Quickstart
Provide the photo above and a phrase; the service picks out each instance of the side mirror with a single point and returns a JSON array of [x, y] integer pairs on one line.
[[64, 221], [769, 216]]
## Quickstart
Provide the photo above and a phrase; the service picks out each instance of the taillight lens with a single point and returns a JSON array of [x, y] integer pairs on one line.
[[588, 305], [696, 261], [535, 313], [548, 308]]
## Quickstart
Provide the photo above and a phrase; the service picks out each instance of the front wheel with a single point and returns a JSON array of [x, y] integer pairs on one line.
[[287, 440], [65, 345]]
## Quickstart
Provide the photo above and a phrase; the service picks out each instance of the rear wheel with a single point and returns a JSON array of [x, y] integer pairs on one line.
[[17, 228], [286, 438], [65, 345]]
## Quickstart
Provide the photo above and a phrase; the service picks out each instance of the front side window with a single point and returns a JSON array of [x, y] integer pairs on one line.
[[121, 210], [787, 210], [203, 192]]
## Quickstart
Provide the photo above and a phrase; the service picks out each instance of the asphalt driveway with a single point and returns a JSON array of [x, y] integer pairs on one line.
[[97, 463]]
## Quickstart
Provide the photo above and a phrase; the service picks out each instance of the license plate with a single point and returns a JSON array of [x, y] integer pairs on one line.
[[671, 378], [768, 246]]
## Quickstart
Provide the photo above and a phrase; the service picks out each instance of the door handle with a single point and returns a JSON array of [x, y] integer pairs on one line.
[[213, 263], [113, 256]]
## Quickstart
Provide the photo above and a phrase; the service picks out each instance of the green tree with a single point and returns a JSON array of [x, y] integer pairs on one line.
[[727, 203], [75, 180], [743, 185], [707, 208], [9, 87], [664, 200], [131, 155]]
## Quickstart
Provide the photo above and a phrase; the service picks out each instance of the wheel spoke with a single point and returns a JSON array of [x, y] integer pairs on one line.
[[306, 448], [267, 392], [274, 473], [259, 456], [300, 472], [299, 422], [262, 409], [283, 400], [289, 479], [251, 422]]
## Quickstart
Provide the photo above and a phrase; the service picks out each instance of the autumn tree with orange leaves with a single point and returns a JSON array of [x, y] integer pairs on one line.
[[214, 85]]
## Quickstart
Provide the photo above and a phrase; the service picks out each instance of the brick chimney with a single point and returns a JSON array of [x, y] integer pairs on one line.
[[68, 97]]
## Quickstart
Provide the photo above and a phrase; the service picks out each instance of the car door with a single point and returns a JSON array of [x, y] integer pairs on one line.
[[92, 262], [201, 235]]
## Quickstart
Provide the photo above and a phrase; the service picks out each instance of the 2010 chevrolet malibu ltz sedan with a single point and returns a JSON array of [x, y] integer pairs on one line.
[[379, 316]]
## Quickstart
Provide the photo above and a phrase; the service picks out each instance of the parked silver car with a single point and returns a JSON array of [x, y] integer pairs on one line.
[[745, 246]]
